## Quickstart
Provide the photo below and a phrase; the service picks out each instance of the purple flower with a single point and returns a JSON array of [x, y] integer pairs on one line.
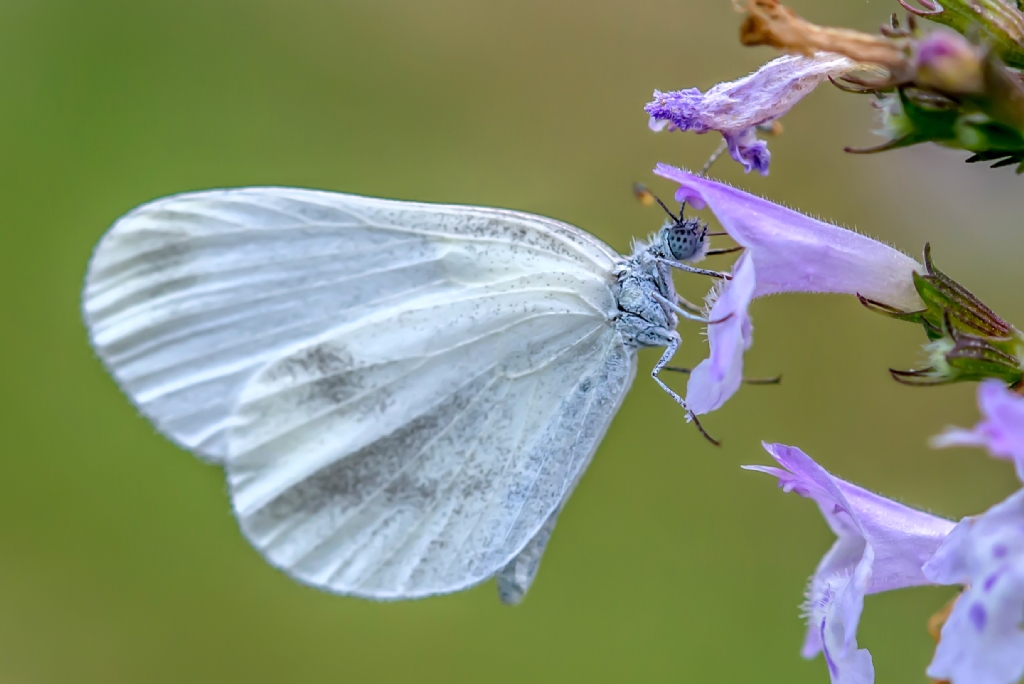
[[786, 252], [881, 545], [735, 109], [717, 377], [982, 641], [1002, 430]]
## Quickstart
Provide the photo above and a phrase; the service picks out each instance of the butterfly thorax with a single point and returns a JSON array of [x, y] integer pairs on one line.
[[643, 284]]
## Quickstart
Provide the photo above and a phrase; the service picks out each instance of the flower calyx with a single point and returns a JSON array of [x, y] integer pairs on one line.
[[956, 94], [967, 340]]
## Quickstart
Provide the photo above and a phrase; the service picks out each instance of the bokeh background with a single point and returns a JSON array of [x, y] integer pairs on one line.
[[119, 559]]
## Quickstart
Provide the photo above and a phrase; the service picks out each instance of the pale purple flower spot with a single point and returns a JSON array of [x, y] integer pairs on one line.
[[1001, 431], [982, 641], [833, 669], [881, 545], [736, 108], [977, 615]]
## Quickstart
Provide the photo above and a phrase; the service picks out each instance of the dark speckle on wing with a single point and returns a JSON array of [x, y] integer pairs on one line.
[[377, 467], [319, 360]]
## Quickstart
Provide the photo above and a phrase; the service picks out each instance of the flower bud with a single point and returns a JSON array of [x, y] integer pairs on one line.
[[946, 62]]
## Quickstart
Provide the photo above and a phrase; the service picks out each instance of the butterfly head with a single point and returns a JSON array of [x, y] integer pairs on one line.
[[681, 238], [685, 239]]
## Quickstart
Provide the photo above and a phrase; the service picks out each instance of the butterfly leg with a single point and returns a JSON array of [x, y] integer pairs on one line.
[[672, 342], [672, 345], [678, 265], [661, 299], [664, 301], [688, 305], [726, 250]]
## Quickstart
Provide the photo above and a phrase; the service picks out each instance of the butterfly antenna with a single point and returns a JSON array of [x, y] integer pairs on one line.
[[667, 211], [644, 194], [647, 197]]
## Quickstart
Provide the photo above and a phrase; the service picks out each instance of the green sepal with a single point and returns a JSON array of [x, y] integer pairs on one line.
[[999, 159], [988, 123], [967, 340], [945, 298], [915, 122], [961, 128], [960, 357]]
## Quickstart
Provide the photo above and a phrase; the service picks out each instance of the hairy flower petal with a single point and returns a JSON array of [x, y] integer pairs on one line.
[[881, 545], [1001, 431], [717, 377], [833, 613], [982, 641], [736, 108], [793, 252]]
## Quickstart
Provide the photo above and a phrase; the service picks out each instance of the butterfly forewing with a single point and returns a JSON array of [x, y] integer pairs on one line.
[[402, 394], [188, 296]]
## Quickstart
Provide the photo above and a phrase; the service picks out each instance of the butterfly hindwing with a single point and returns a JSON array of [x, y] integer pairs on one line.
[[429, 471]]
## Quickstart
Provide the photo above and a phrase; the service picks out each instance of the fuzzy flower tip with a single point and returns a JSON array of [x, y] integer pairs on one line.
[[881, 545], [736, 108], [1002, 429], [785, 252], [982, 641]]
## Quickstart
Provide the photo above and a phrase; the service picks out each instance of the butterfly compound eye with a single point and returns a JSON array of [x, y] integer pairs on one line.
[[685, 239]]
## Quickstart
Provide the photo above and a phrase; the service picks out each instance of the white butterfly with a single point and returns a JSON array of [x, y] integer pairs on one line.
[[402, 395]]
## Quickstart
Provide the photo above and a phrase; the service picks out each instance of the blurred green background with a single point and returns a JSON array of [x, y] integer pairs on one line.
[[119, 559]]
